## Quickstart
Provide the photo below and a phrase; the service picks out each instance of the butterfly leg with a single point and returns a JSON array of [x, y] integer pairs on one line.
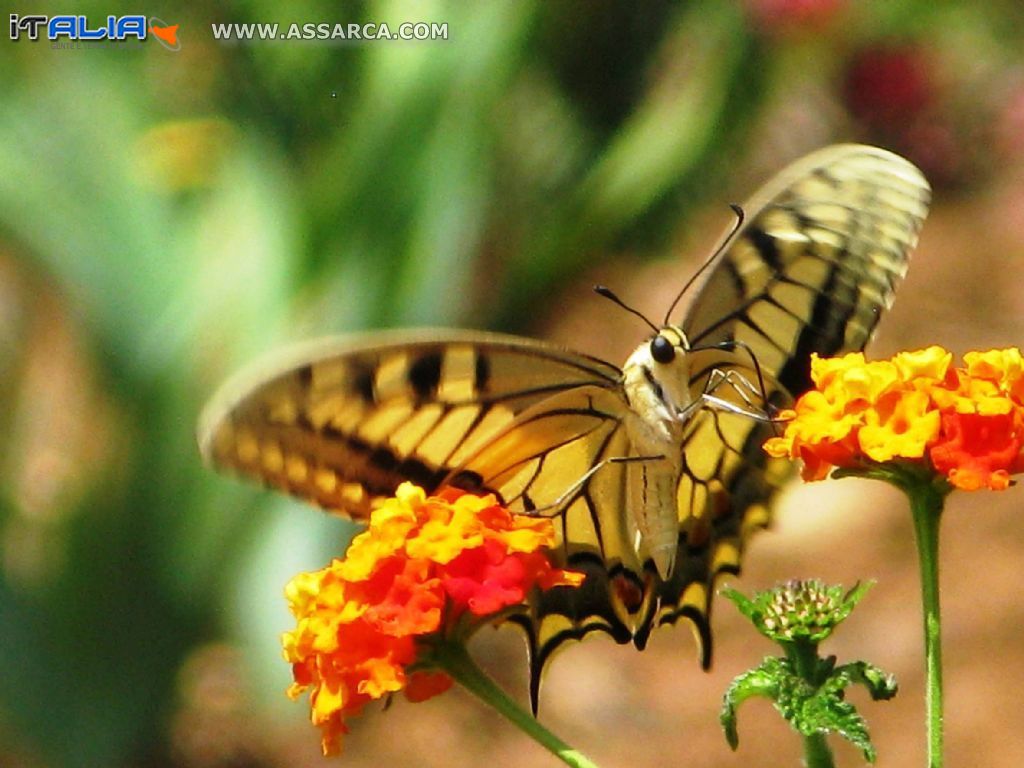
[[743, 389], [760, 391], [718, 404], [738, 382], [573, 490]]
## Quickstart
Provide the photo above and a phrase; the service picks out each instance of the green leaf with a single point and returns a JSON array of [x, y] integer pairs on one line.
[[825, 710], [760, 681], [881, 685]]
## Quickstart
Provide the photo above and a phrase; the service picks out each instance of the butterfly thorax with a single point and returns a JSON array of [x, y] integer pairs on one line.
[[655, 381]]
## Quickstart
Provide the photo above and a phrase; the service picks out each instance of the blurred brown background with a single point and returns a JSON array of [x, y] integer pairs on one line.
[[165, 216]]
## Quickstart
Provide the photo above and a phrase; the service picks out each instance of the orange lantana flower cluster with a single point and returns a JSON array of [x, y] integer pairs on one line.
[[967, 422], [422, 563]]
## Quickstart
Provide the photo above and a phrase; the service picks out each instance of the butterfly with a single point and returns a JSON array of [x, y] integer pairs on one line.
[[653, 472]]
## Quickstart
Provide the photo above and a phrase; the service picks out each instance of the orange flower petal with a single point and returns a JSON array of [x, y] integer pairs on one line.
[[977, 451]]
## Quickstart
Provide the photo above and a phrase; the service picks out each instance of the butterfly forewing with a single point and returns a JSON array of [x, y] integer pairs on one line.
[[344, 421], [823, 248]]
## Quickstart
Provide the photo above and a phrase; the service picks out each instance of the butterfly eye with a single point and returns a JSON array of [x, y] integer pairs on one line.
[[662, 350]]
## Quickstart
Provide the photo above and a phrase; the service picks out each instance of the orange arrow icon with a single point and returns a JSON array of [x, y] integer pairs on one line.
[[168, 34]]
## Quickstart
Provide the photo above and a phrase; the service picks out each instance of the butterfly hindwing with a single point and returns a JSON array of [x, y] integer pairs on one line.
[[562, 459]]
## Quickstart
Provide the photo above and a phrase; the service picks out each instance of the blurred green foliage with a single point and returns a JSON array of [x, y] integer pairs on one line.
[[165, 216]]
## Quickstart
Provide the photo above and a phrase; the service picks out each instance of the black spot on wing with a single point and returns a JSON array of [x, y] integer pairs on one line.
[[382, 470], [362, 382], [482, 374], [766, 246], [383, 459], [822, 174], [739, 285], [466, 480], [421, 474], [425, 374]]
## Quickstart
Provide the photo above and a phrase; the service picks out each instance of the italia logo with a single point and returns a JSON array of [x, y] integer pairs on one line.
[[79, 28]]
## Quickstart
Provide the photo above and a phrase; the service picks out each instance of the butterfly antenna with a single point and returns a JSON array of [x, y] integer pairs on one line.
[[601, 290], [740, 216]]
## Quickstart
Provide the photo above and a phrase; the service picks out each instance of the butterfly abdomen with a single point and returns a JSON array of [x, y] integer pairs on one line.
[[652, 502], [655, 383]]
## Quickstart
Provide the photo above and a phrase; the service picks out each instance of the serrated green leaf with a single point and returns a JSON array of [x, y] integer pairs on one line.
[[760, 681], [881, 685]]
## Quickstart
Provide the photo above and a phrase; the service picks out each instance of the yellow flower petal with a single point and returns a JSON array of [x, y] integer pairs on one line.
[[903, 432], [410, 495], [1005, 367], [365, 552], [868, 382], [326, 701], [930, 363], [779, 447], [825, 369], [442, 543], [301, 591], [357, 621], [819, 419], [907, 408], [994, 364], [382, 677], [529, 538]]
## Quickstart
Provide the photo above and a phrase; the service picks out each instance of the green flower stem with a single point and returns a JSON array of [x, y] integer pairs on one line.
[[817, 753], [926, 506], [927, 496], [452, 657], [803, 655]]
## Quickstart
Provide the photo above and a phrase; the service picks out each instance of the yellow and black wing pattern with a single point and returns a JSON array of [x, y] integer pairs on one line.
[[342, 422], [822, 250], [819, 256]]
